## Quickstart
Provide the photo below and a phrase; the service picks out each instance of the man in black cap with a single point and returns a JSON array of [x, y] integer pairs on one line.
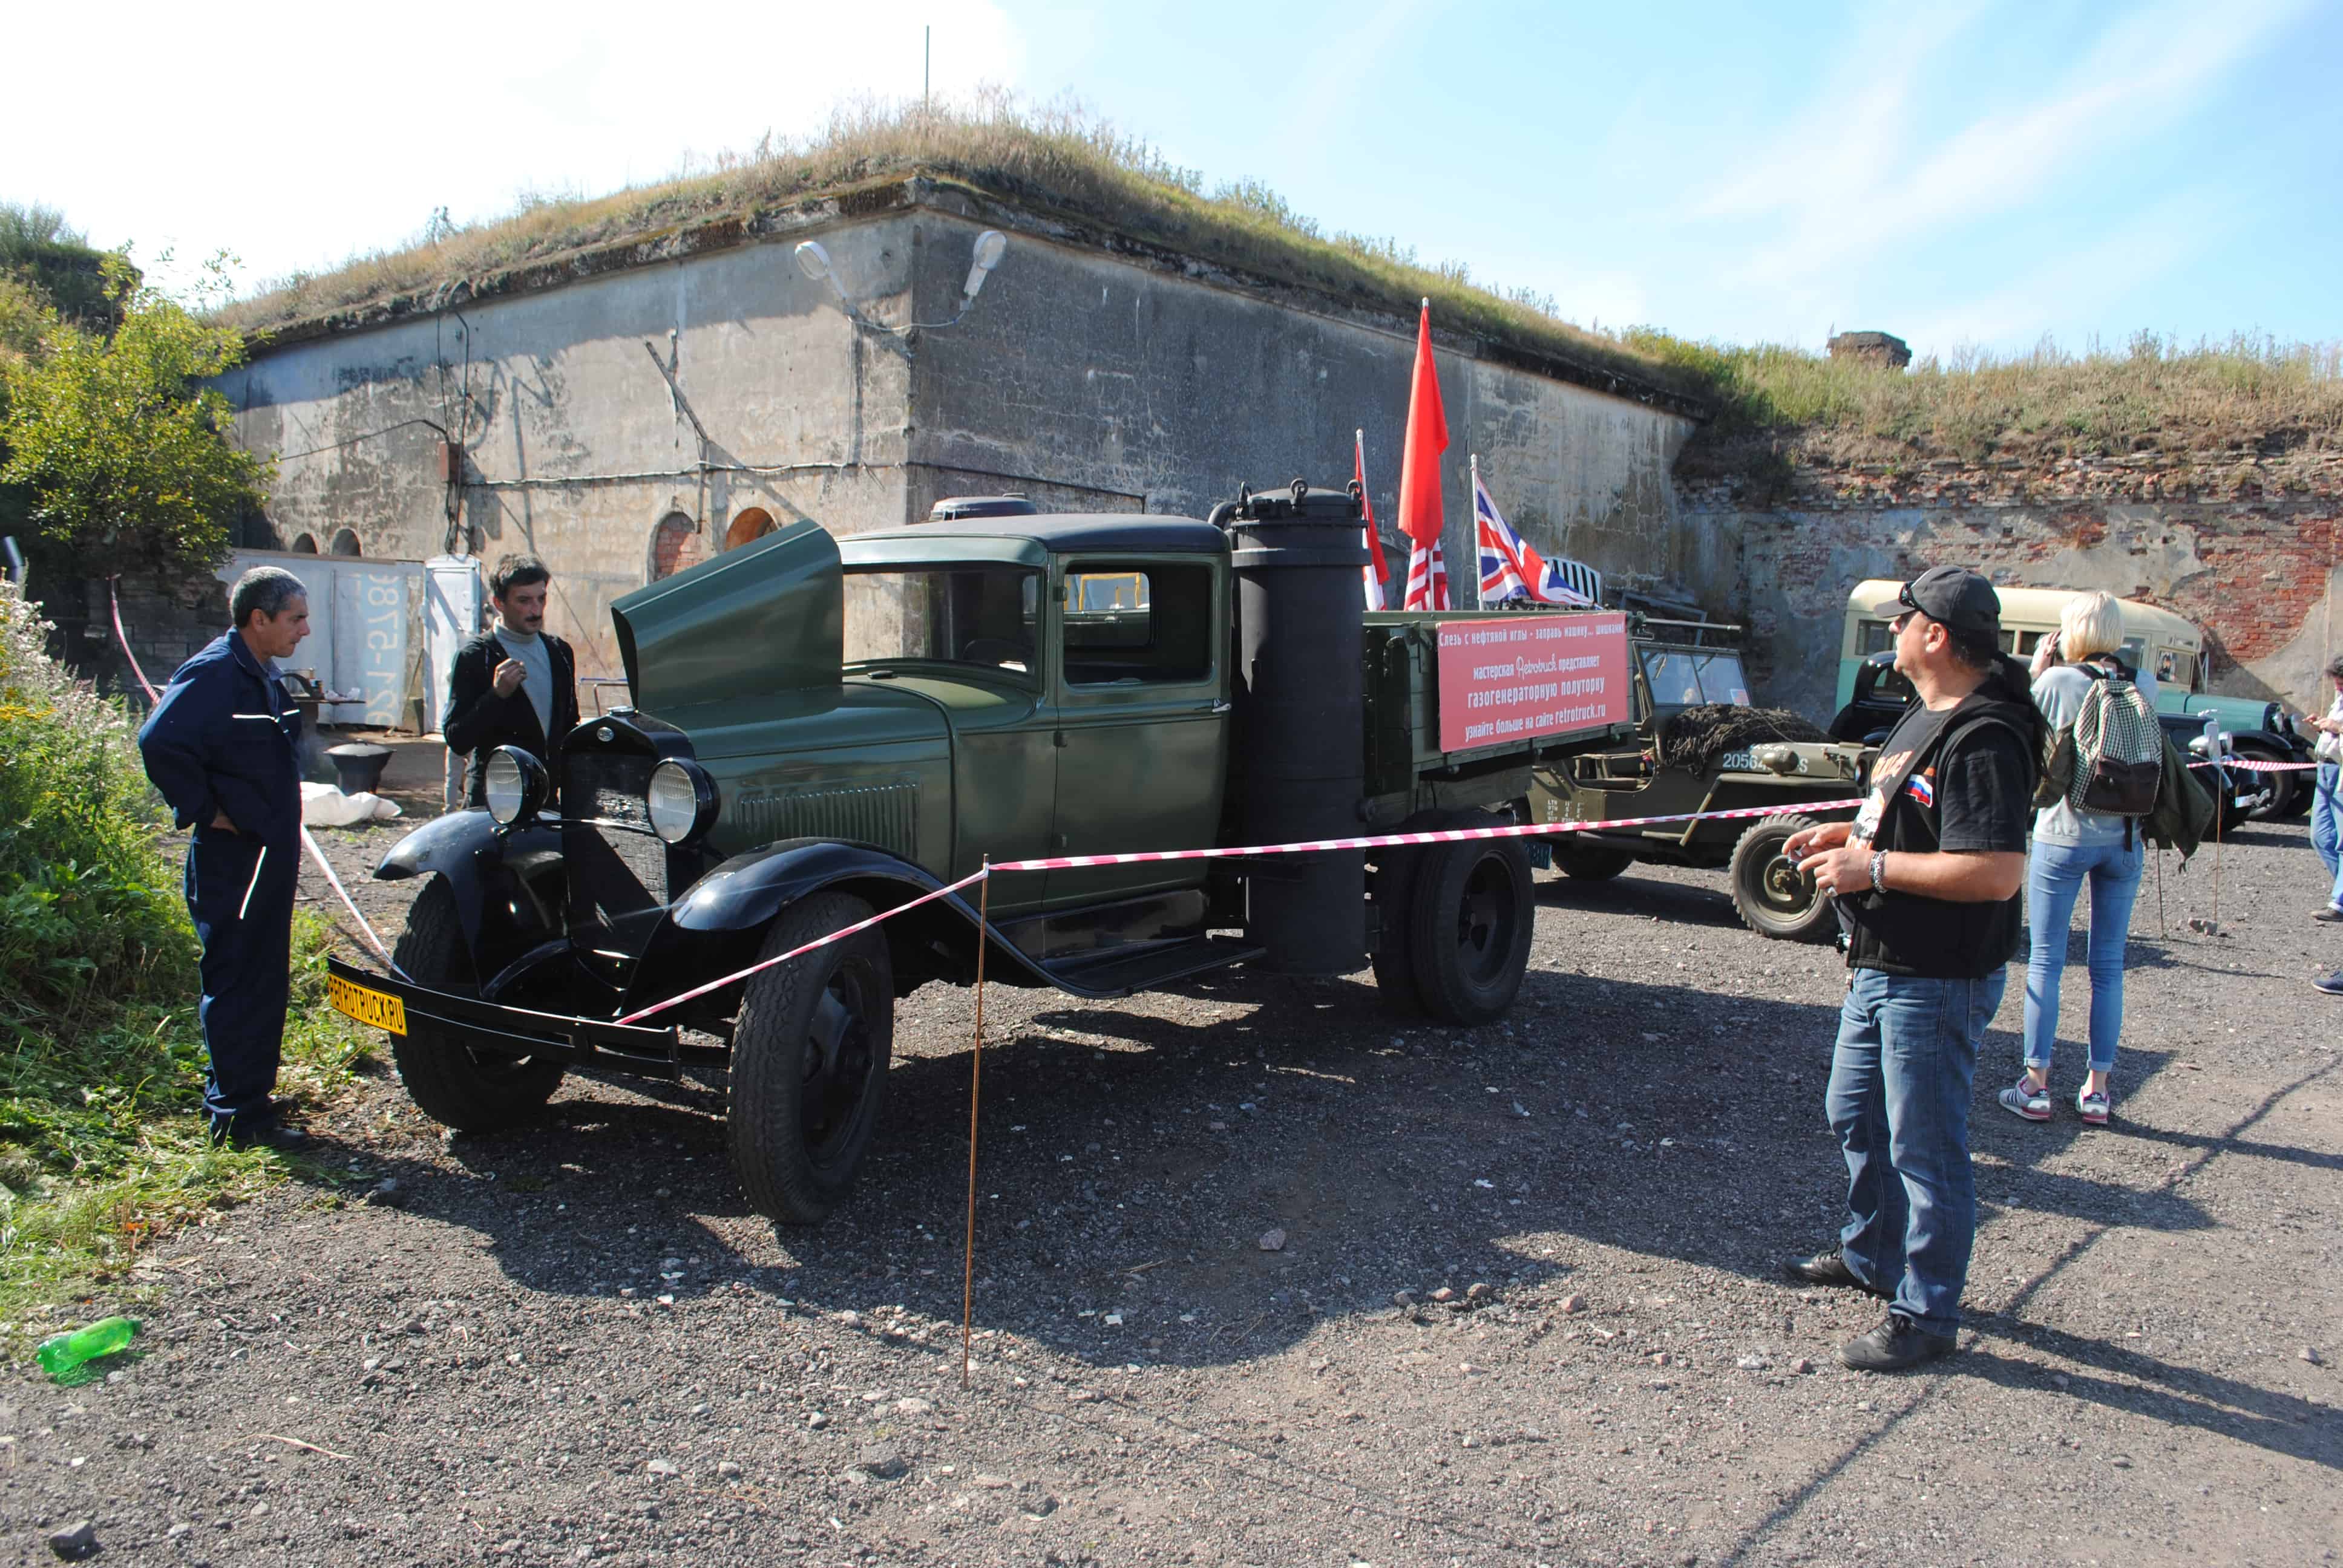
[[1926, 880]]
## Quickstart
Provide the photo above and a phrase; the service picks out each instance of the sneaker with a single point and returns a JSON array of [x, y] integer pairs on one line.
[[2091, 1108], [2331, 912], [2331, 984], [2023, 1100], [1828, 1269], [1898, 1342]]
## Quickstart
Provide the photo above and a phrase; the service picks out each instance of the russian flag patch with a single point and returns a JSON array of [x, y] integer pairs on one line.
[[1921, 789]]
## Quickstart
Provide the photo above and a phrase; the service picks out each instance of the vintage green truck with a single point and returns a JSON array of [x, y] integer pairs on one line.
[[822, 728]]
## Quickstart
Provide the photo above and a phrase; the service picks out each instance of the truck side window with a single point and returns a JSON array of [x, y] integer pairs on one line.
[[1138, 626]]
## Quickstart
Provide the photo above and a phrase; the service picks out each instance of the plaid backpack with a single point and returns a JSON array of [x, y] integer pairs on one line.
[[2118, 749]]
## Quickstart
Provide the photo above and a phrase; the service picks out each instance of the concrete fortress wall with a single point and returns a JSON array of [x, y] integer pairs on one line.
[[1091, 375]]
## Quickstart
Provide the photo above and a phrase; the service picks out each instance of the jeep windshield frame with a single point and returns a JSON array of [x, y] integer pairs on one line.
[[1676, 678]]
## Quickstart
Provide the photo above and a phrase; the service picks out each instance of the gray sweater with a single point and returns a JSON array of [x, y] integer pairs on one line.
[[2059, 695]]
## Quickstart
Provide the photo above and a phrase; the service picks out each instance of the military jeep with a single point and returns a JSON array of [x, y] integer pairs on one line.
[[1701, 745]]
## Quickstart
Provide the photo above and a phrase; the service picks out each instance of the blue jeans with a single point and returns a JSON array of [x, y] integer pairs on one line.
[[2055, 874], [1899, 1101], [2327, 829]]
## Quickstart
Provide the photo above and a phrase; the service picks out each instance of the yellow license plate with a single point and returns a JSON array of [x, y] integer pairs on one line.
[[368, 1007]]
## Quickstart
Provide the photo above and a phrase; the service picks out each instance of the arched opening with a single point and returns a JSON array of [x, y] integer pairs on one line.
[[747, 528], [305, 544], [346, 543], [674, 545]]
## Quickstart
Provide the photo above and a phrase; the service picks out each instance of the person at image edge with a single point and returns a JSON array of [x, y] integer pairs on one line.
[[1926, 882]]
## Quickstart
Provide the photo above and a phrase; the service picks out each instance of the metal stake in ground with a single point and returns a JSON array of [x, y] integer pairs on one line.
[[975, 1083]]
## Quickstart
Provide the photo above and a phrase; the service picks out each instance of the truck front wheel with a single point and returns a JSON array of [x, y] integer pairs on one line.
[[1470, 918], [449, 1081], [1772, 897], [809, 1058]]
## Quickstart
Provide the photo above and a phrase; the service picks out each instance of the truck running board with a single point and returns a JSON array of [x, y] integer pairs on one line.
[[1120, 970]]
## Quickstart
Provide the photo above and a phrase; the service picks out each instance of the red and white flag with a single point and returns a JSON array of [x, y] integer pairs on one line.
[[1377, 568], [1427, 579], [1419, 475]]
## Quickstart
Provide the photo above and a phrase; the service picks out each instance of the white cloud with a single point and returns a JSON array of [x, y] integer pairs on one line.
[[298, 134], [1845, 185]]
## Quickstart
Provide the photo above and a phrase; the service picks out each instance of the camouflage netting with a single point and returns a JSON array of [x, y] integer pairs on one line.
[[1698, 737]]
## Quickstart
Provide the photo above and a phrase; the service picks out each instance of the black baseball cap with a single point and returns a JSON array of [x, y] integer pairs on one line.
[[1951, 596]]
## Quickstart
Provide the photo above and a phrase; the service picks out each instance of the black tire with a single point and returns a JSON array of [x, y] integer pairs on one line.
[[1470, 916], [1588, 862], [1773, 898], [1394, 960], [2284, 788], [2227, 786], [452, 1083], [810, 1059]]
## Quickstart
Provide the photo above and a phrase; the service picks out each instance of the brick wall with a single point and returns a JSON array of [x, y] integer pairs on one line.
[[2251, 550]]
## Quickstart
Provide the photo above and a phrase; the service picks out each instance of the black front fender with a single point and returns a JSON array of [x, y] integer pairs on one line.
[[718, 925], [486, 866]]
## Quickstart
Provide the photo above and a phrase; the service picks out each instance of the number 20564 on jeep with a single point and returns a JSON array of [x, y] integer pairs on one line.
[[822, 730]]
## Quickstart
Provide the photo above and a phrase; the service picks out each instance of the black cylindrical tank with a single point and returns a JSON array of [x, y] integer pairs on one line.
[[1299, 740]]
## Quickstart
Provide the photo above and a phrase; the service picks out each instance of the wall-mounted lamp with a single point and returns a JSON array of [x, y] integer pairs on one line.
[[990, 246]]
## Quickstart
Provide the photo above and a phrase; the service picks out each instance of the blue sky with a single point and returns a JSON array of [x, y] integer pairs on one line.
[[1961, 174]]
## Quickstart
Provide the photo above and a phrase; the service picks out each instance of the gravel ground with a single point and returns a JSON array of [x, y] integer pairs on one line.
[[574, 1344]]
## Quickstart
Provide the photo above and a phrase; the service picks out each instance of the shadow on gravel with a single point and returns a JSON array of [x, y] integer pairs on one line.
[[1677, 903], [1131, 1161], [2225, 1407]]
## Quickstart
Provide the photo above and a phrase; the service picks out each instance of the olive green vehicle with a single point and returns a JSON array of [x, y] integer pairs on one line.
[[821, 730], [1700, 747]]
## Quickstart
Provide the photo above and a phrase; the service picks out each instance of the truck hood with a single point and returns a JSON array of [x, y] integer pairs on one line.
[[768, 618]]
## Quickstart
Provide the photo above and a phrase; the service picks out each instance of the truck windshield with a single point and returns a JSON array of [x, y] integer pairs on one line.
[[979, 614], [1681, 678]]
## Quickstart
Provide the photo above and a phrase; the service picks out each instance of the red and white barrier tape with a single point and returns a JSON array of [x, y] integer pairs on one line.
[[335, 882], [969, 881], [2249, 765], [1070, 862], [152, 695], [1441, 836]]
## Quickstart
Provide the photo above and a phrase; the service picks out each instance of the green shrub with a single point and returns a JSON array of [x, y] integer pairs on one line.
[[101, 1064]]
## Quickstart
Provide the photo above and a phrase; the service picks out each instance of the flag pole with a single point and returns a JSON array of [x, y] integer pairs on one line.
[[1475, 458]]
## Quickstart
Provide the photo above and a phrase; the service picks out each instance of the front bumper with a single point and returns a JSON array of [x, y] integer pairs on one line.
[[586, 1043]]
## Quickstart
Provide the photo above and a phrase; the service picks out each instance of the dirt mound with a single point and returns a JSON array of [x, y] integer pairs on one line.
[[1698, 736]]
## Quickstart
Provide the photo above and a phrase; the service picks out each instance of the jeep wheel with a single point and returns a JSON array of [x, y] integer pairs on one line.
[[1774, 898], [809, 1057], [451, 1082], [1588, 862], [1390, 881], [1470, 915]]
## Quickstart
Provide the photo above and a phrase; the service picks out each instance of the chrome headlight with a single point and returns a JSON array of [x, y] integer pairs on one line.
[[682, 801], [517, 784]]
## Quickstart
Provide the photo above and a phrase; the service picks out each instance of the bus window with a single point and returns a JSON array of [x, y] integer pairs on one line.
[[1872, 637]]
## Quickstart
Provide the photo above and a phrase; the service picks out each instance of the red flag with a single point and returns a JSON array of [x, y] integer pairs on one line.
[[1427, 437], [1377, 571]]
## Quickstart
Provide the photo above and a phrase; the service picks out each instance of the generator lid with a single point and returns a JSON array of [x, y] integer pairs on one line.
[[768, 618]]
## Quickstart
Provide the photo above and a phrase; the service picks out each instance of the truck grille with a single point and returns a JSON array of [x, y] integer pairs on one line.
[[616, 866]]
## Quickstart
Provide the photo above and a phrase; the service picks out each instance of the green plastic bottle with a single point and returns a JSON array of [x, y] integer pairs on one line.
[[60, 1353]]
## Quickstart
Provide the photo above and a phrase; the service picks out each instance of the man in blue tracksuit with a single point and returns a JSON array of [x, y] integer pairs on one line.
[[221, 747]]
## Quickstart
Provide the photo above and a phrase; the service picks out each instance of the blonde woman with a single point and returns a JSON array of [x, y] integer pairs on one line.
[[2070, 848]]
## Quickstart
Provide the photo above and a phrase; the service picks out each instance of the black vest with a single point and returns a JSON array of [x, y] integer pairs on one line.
[[1905, 933]]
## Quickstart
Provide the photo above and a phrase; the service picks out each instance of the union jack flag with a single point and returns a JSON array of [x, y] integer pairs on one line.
[[1427, 579], [1511, 568]]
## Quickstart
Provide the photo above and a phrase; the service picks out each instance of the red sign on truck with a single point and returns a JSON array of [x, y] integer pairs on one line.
[[1517, 676]]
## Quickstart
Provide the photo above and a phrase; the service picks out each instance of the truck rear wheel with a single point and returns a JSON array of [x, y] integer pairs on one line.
[[451, 1082], [809, 1058], [1470, 916], [1774, 898], [1588, 862]]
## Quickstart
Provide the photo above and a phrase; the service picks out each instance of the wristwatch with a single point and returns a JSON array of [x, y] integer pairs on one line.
[[1878, 871]]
